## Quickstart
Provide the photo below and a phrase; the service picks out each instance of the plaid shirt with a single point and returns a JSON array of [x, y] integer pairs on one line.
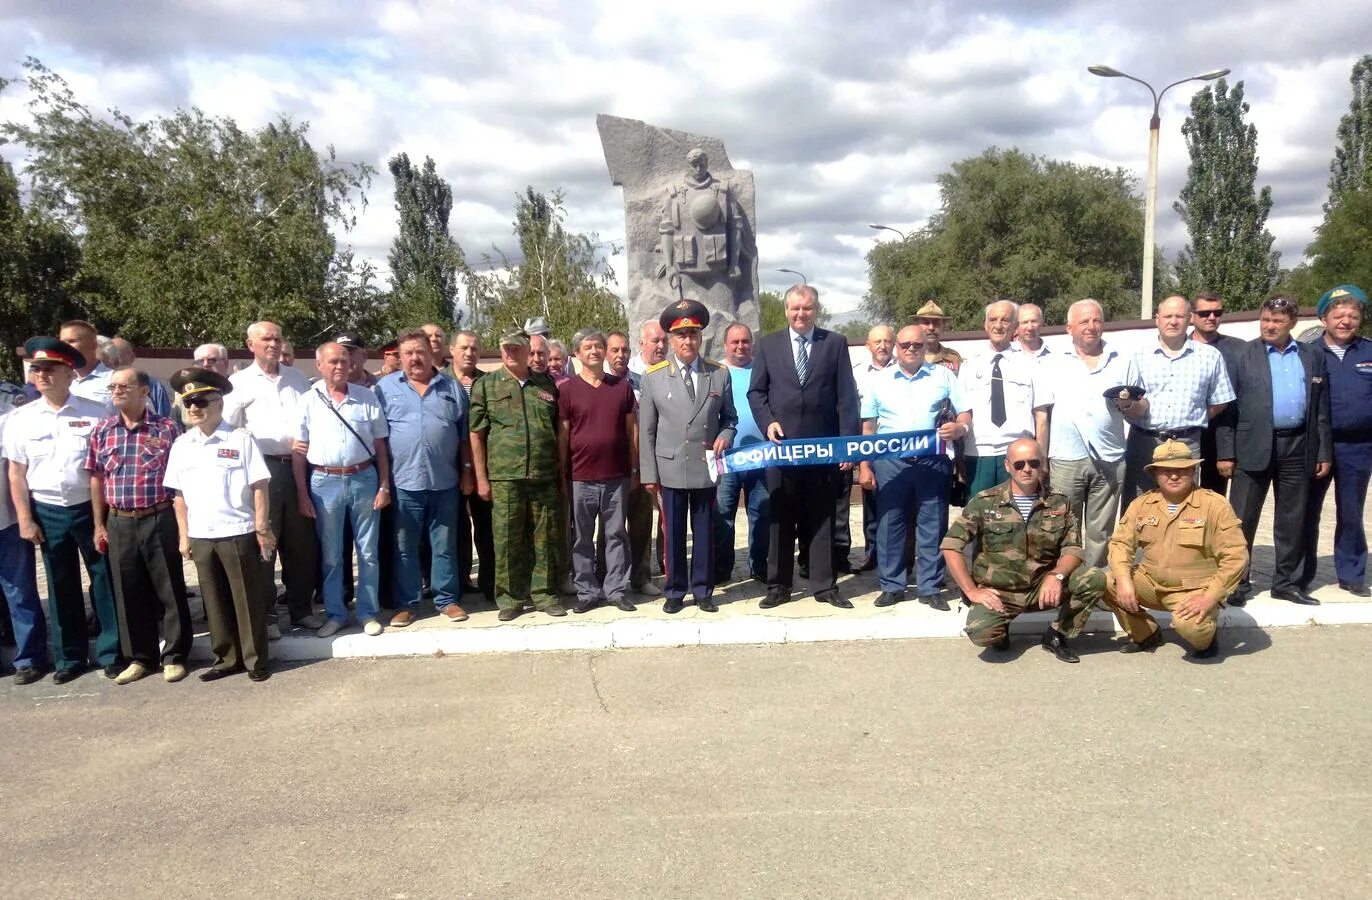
[[133, 461], [1181, 388]]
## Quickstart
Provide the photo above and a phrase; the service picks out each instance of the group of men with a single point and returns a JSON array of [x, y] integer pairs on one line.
[[549, 474]]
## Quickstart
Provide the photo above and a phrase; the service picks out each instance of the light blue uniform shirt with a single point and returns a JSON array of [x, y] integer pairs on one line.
[[1083, 422], [747, 431], [425, 432], [1288, 386], [902, 402]]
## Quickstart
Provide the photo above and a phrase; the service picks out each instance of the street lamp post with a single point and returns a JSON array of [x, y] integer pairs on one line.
[[889, 228], [1150, 196], [803, 279]]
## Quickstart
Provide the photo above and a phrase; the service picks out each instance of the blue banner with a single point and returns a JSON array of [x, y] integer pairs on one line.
[[830, 451]]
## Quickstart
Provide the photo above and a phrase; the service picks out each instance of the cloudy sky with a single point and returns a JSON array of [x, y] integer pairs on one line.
[[846, 111]]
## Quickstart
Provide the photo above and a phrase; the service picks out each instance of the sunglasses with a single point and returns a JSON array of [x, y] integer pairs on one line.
[[1019, 464], [1280, 303], [909, 345], [198, 402], [1209, 313]]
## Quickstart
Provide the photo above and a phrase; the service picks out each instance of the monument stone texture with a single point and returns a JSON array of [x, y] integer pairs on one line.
[[688, 223]]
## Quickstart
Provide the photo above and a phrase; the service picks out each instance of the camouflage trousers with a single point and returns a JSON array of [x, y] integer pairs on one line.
[[526, 524], [1083, 590]]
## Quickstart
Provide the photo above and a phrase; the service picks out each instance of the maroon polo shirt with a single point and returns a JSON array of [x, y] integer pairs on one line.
[[600, 445]]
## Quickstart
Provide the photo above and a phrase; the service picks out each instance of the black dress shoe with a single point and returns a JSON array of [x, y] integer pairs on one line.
[[259, 675], [672, 607], [1238, 598], [1209, 652], [1055, 641], [509, 615], [1295, 596], [586, 606], [707, 605], [935, 602], [1152, 642], [62, 676], [889, 598], [113, 669], [773, 600], [868, 564], [834, 599], [556, 611], [1357, 590], [216, 674], [804, 572], [623, 605], [27, 675]]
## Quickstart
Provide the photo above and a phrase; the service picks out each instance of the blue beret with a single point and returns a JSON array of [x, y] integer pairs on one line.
[[1341, 292]]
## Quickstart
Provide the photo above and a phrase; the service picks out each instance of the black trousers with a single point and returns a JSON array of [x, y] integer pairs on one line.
[[231, 576], [1211, 479], [296, 544], [1138, 452], [1289, 473], [149, 588], [696, 506], [802, 505], [474, 528]]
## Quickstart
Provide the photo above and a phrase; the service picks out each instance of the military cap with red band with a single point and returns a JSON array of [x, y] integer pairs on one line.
[[684, 315], [50, 349]]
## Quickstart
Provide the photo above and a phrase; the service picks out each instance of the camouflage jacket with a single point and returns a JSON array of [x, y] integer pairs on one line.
[[519, 424], [1011, 553]]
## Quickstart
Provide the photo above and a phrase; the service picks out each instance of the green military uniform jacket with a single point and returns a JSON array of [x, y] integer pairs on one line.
[[520, 425], [1014, 554]]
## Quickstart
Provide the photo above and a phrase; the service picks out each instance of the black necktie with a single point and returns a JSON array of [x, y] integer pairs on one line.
[[686, 382], [997, 393]]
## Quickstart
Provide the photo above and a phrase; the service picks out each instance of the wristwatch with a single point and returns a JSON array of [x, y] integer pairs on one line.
[[1059, 576]]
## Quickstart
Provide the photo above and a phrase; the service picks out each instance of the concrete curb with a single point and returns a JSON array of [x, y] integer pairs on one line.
[[795, 623]]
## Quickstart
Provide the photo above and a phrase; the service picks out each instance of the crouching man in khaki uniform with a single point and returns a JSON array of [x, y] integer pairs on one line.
[[1193, 556]]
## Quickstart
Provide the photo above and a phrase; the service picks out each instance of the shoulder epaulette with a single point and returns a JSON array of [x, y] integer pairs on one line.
[[655, 366]]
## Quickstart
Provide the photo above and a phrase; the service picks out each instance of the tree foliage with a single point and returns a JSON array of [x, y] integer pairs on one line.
[[1226, 218], [1351, 169], [1342, 250], [1021, 226], [424, 258], [559, 275], [191, 227]]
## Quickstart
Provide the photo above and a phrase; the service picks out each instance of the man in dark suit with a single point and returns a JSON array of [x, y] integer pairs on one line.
[[1280, 434], [803, 387], [1206, 310]]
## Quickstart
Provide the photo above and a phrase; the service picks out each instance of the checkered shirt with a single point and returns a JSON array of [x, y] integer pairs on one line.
[[133, 461], [1180, 389]]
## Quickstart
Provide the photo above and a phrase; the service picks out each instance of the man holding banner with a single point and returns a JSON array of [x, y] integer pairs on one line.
[[910, 396], [803, 387]]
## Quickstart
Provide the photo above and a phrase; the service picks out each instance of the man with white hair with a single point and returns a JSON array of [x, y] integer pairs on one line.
[[214, 357], [1007, 397], [1086, 429], [264, 401]]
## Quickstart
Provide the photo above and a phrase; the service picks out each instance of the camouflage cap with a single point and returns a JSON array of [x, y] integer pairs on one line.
[[1173, 455], [517, 337]]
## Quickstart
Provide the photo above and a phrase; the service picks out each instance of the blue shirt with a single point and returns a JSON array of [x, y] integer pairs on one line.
[[903, 402], [425, 431], [1350, 390], [158, 398], [746, 432], [1288, 385], [1083, 423]]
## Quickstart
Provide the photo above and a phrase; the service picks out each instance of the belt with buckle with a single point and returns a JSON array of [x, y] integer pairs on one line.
[[343, 470], [141, 512]]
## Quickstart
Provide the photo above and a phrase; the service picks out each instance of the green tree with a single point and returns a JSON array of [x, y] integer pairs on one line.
[[1021, 226], [559, 275], [424, 257], [1230, 249], [1351, 169], [771, 313], [190, 227], [1342, 250]]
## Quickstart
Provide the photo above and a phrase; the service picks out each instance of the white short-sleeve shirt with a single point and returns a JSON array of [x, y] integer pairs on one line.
[[1084, 423], [53, 444], [1024, 393], [214, 475], [331, 443], [266, 406]]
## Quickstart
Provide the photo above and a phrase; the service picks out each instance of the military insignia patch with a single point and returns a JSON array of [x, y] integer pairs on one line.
[[545, 396], [227, 453]]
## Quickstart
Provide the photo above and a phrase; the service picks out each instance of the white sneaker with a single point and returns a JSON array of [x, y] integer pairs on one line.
[[173, 672], [648, 589], [311, 621], [273, 632], [329, 628], [372, 627]]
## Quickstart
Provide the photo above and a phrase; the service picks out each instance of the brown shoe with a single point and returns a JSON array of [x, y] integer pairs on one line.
[[509, 615], [401, 617], [452, 612]]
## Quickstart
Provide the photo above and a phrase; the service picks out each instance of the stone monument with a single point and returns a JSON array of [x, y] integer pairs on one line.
[[688, 224]]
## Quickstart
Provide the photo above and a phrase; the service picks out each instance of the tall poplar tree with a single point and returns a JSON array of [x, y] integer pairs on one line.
[[1351, 169], [424, 258], [1226, 217]]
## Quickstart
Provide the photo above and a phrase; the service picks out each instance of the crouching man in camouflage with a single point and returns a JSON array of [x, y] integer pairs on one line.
[[1029, 554]]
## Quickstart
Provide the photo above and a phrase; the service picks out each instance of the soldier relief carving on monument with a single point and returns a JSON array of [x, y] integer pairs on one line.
[[701, 228]]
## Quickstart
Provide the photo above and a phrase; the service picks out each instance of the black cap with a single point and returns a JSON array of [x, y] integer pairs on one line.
[[1124, 392], [195, 380], [683, 315], [349, 340], [50, 349], [390, 346]]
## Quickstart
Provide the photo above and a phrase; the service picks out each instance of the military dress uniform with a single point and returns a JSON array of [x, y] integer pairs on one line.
[[1014, 557], [521, 426], [1198, 548]]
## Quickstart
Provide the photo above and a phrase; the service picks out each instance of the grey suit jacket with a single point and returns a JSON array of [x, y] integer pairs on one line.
[[674, 431]]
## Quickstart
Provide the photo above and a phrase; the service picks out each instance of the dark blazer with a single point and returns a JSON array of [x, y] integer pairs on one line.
[[827, 406], [1246, 437]]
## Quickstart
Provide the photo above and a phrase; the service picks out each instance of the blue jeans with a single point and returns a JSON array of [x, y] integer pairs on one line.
[[19, 582], [906, 487], [433, 513], [754, 488], [339, 499]]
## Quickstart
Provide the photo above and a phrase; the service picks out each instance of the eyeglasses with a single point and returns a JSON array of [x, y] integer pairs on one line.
[[1019, 464], [909, 345], [198, 402], [1209, 313], [120, 388]]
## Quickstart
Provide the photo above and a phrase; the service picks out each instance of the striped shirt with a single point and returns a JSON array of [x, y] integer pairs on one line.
[[1024, 503], [1181, 388], [133, 461]]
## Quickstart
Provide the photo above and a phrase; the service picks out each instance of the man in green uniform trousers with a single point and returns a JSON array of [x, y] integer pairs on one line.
[[1029, 554], [514, 449]]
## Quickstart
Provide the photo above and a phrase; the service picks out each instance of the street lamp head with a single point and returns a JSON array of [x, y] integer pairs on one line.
[[1211, 76], [803, 279], [1105, 71]]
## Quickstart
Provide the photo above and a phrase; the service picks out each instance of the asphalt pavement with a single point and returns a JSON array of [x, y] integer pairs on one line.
[[848, 769]]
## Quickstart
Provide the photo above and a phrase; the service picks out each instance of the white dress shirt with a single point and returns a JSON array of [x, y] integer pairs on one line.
[[214, 475], [53, 443], [95, 386], [266, 406], [1083, 422], [331, 443], [1024, 392]]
